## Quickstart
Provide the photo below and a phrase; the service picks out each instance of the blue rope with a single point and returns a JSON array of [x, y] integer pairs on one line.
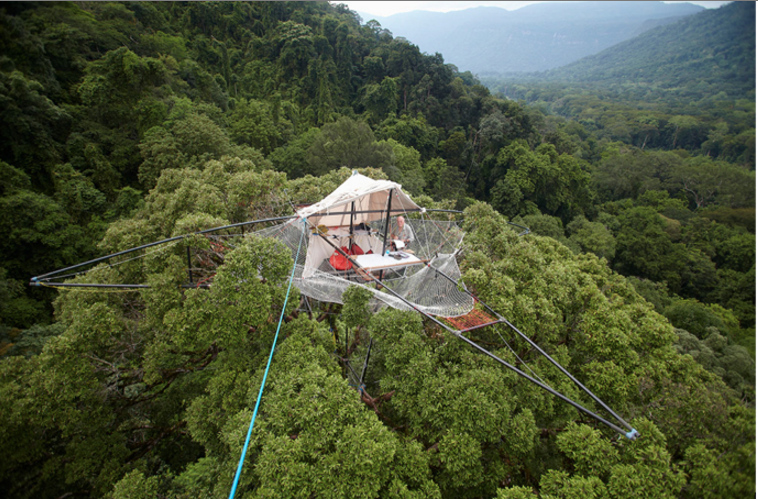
[[265, 375]]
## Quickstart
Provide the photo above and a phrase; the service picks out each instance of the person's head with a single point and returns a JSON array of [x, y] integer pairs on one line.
[[400, 221]]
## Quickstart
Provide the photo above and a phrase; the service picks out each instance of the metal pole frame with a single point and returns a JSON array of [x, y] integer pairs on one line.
[[156, 243], [540, 350], [387, 224], [457, 334], [53, 284], [509, 366], [352, 217], [35, 281], [189, 265], [365, 363]]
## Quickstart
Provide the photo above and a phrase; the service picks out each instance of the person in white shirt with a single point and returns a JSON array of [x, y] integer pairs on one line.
[[402, 231]]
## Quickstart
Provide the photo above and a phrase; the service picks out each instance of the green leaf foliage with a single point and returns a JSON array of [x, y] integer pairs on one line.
[[127, 123]]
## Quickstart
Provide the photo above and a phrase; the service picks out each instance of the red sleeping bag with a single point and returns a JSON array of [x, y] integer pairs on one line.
[[340, 262]]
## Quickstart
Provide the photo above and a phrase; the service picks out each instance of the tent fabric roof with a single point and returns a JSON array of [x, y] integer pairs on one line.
[[368, 195]]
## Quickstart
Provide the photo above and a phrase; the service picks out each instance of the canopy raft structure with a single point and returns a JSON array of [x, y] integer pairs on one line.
[[353, 237]]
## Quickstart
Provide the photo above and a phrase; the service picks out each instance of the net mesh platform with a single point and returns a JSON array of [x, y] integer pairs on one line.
[[421, 285]]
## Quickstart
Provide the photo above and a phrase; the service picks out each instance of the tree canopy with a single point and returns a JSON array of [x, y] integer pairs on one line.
[[126, 123]]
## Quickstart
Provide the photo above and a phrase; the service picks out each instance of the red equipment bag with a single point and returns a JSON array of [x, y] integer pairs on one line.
[[356, 250], [340, 262]]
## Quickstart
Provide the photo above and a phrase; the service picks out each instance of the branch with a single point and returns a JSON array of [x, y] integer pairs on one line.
[[374, 403], [170, 375], [146, 447], [113, 368]]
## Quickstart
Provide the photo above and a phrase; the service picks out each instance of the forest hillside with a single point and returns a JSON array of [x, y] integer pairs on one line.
[[685, 64], [715, 47], [490, 40], [123, 123]]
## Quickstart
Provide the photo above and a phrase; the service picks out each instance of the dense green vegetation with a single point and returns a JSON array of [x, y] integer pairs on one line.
[[707, 53], [123, 123], [687, 85]]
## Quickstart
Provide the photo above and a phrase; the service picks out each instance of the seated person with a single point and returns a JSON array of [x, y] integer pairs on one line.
[[402, 231]]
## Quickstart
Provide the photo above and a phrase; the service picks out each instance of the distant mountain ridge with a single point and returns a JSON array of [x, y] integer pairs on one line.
[[716, 48], [537, 37]]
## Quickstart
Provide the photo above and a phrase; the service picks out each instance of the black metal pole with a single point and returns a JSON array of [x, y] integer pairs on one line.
[[336, 247], [48, 284], [85, 285], [397, 210], [387, 225], [526, 229], [386, 228], [442, 211], [308, 306], [156, 243], [564, 371], [540, 350], [206, 231], [352, 216], [189, 265], [365, 363], [347, 363], [456, 333], [506, 364], [541, 385]]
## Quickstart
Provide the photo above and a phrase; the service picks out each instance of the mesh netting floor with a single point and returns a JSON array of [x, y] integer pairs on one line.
[[417, 287]]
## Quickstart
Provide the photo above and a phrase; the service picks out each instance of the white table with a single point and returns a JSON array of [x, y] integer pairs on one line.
[[381, 262], [319, 249]]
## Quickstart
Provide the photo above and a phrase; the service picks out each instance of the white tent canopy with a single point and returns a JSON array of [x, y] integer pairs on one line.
[[359, 199], [369, 200], [368, 195]]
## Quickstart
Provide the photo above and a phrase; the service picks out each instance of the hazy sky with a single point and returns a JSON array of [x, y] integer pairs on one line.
[[383, 9]]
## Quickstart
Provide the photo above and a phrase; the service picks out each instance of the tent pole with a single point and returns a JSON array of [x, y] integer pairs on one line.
[[386, 228], [352, 216], [387, 225]]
